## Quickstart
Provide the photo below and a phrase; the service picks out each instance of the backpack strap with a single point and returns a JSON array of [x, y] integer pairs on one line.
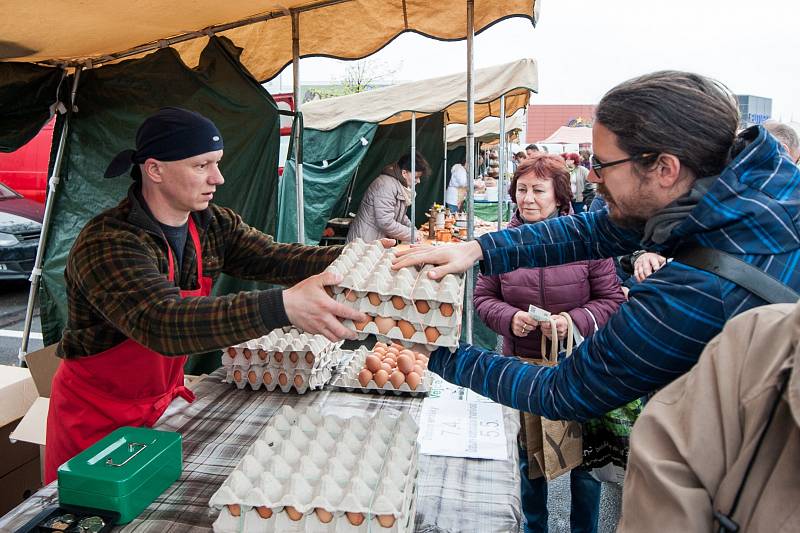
[[734, 269]]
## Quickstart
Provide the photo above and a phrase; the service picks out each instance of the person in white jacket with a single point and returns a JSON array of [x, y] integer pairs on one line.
[[457, 188]]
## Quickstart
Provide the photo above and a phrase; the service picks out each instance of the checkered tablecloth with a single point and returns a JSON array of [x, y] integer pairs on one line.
[[453, 495]]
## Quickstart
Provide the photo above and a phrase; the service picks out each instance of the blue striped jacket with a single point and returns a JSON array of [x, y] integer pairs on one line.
[[750, 211]]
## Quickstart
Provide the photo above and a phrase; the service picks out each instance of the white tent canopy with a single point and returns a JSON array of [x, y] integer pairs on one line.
[[486, 130], [393, 104], [567, 135]]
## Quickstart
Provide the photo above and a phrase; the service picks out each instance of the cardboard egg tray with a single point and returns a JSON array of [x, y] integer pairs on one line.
[[285, 358], [347, 379], [372, 287], [309, 473]]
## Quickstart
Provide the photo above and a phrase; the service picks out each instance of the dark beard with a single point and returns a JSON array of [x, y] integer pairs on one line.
[[631, 222]]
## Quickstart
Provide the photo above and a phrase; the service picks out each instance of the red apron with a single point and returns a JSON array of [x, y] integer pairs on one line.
[[126, 385]]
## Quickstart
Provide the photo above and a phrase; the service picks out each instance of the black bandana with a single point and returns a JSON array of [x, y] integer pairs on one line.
[[171, 134]]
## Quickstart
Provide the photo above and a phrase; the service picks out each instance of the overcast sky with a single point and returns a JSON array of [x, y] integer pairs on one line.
[[585, 47]]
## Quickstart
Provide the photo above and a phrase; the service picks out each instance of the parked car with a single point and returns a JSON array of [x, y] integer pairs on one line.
[[20, 225]]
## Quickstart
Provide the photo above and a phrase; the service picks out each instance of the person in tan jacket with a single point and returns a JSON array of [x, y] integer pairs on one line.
[[691, 447]]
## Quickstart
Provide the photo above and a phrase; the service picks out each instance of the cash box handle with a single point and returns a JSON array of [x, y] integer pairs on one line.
[[110, 461]]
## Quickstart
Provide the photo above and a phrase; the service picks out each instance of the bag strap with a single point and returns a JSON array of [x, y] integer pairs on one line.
[[737, 271], [553, 359], [726, 522]]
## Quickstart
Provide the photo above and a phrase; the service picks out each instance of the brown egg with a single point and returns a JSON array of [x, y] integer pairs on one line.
[[293, 357], [252, 377], [386, 367], [235, 509], [232, 351], [398, 302], [372, 363], [397, 378], [418, 369], [350, 296], [310, 358], [421, 358], [384, 324], [361, 325], [407, 352], [392, 350], [446, 309], [267, 378], [298, 380], [355, 518], [293, 513], [406, 328], [386, 520], [405, 364], [422, 306], [262, 354], [380, 345], [381, 377], [374, 298], [413, 380], [264, 512], [278, 357], [247, 353], [364, 377], [380, 352], [237, 376], [431, 333], [390, 361], [323, 515], [283, 379]]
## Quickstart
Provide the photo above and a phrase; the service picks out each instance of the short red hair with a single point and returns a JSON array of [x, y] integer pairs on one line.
[[575, 158], [546, 166]]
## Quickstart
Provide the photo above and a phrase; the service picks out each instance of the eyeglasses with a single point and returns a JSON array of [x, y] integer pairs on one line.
[[598, 165]]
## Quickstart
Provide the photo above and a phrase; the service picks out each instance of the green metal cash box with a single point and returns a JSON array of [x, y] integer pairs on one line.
[[123, 472]]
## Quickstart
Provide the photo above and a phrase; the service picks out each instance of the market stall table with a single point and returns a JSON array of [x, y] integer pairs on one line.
[[453, 494]]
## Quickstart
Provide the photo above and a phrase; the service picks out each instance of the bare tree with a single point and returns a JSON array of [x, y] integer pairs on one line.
[[360, 76]]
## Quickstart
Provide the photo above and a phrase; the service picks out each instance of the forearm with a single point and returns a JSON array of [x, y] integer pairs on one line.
[[171, 325], [556, 241], [283, 264]]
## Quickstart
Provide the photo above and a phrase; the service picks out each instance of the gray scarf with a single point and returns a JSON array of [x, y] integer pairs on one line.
[[660, 226]]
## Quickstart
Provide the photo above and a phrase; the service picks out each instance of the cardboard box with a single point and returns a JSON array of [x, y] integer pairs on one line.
[[20, 472], [32, 429]]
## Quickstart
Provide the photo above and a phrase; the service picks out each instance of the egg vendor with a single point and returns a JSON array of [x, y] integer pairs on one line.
[[139, 279]]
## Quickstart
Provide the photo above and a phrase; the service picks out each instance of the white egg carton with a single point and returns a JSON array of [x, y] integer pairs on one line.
[[287, 348], [271, 378], [309, 473], [347, 379], [371, 286]]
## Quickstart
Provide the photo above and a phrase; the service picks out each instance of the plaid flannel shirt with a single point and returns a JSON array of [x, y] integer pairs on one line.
[[117, 285]]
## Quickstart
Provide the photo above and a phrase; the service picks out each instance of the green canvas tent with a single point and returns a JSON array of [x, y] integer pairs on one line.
[[349, 139]]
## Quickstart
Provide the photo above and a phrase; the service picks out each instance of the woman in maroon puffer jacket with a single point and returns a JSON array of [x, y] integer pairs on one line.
[[588, 290]]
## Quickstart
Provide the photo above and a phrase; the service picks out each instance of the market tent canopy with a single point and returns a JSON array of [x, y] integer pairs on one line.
[[485, 130], [389, 105], [567, 135], [57, 32]]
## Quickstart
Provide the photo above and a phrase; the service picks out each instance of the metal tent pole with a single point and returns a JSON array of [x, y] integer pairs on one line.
[[503, 163], [36, 274], [298, 152], [444, 166], [470, 285], [413, 177]]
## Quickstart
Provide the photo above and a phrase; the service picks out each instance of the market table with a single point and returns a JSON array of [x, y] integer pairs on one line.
[[453, 494]]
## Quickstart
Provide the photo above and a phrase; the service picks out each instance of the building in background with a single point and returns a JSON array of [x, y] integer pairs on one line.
[[544, 120], [753, 109]]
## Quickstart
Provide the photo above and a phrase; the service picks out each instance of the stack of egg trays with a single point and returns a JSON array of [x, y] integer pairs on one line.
[[366, 268], [305, 466], [271, 355], [347, 379]]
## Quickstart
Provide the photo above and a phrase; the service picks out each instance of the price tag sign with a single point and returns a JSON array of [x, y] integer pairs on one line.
[[460, 428]]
